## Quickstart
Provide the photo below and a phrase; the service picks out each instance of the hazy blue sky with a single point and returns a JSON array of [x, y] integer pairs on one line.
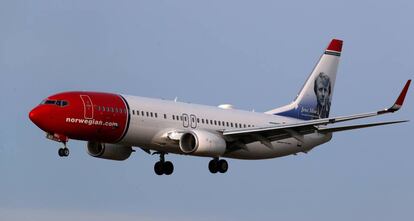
[[253, 54]]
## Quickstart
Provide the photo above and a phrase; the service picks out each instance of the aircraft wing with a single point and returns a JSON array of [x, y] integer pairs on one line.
[[298, 129]]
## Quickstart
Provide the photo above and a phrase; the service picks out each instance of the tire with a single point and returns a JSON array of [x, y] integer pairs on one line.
[[223, 166], [213, 166], [65, 152], [159, 168], [168, 168], [60, 152]]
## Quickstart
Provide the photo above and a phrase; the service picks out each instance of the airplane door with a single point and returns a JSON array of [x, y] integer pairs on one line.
[[193, 121], [87, 107], [185, 120]]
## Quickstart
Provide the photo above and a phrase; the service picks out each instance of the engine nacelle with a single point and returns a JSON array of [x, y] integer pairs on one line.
[[109, 151], [202, 143]]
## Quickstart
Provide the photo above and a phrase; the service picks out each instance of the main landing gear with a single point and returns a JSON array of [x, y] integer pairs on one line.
[[163, 167], [217, 165]]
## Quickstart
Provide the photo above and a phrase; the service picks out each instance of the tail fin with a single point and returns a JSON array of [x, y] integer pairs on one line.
[[314, 99]]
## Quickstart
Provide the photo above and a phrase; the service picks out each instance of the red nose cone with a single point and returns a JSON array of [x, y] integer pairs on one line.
[[38, 116], [34, 116]]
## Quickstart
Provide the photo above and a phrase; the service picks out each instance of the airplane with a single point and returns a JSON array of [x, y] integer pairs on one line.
[[114, 124]]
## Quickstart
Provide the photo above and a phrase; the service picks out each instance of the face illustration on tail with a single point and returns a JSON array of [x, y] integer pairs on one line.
[[314, 99], [322, 88]]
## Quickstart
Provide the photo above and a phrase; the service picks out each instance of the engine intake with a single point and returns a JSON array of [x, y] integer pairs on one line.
[[109, 151], [202, 143]]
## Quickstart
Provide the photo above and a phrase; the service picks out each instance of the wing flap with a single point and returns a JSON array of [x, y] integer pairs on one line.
[[358, 126]]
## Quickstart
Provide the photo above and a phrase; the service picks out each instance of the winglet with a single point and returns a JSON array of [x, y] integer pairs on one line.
[[400, 100]]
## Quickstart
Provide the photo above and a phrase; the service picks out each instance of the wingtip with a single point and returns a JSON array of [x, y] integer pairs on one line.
[[401, 97], [400, 100]]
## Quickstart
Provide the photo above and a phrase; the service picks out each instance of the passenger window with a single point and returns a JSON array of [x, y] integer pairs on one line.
[[198, 120], [227, 123], [151, 114], [244, 125], [156, 115], [165, 116], [211, 122], [107, 109], [235, 124], [116, 109], [206, 121], [133, 112], [231, 124], [138, 112], [219, 123], [147, 114], [173, 116], [202, 120]]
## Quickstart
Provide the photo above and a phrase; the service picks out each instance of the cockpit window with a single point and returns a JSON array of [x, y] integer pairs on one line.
[[49, 102], [60, 103]]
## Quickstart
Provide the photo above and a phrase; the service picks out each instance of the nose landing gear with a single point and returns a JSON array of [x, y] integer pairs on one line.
[[64, 151]]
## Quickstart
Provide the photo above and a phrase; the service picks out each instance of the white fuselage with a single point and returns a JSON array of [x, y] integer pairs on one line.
[[152, 119]]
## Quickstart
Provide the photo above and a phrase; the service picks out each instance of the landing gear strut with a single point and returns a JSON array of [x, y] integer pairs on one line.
[[216, 165], [163, 167]]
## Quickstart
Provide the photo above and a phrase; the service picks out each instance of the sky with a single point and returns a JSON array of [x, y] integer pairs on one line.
[[252, 54]]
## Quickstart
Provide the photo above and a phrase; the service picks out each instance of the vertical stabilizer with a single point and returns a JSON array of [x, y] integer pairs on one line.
[[314, 99]]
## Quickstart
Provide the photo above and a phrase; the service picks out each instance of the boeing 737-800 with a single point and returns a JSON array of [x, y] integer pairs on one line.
[[112, 124]]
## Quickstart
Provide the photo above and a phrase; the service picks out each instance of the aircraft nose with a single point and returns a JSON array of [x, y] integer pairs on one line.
[[38, 116], [34, 115]]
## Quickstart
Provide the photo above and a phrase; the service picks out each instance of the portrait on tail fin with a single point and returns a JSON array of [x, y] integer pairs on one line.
[[323, 91]]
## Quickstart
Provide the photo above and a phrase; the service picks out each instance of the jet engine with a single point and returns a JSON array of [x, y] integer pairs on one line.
[[202, 143], [109, 151]]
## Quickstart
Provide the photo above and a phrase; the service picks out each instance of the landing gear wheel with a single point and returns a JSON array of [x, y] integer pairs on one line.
[[159, 168], [163, 167], [213, 166], [223, 166], [168, 168], [63, 152], [60, 152]]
